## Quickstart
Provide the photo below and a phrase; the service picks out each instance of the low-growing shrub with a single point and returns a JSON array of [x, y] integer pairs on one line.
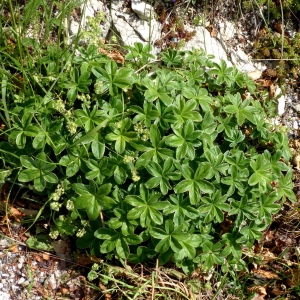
[[171, 159]]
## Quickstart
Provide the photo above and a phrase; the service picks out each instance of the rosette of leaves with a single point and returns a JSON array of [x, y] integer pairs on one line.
[[161, 163]]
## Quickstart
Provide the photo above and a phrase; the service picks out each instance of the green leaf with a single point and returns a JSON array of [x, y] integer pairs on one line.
[[214, 207], [93, 198], [146, 207], [195, 182], [262, 174]]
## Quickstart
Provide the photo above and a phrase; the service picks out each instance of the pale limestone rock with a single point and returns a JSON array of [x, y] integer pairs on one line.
[[203, 40], [227, 31], [127, 33], [281, 101], [254, 75], [131, 29], [142, 9]]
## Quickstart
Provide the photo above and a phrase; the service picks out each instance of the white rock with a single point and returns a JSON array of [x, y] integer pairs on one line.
[[96, 5], [117, 4], [254, 75], [4, 296], [297, 107], [242, 55], [57, 273], [21, 280], [126, 32], [52, 281], [145, 31], [14, 288], [203, 40], [142, 9], [73, 28], [295, 124], [227, 30], [245, 67], [275, 121], [281, 101], [4, 243], [260, 66]]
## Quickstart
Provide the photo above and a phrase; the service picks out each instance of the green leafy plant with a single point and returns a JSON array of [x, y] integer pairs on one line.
[[142, 165]]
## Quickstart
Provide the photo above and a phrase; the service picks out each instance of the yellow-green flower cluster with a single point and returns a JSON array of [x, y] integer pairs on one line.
[[81, 232], [72, 127], [128, 159], [58, 192], [55, 206], [54, 234], [142, 130], [85, 222], [61, 218], [59, 105], [86, 99], [95, 267], [98, 87], [118, 124], [135, 175], [70, 205]]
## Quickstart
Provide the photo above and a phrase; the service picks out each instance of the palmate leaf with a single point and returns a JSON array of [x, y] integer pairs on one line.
[[211, 255], [232, 247], [155, 90], [146, 207], [146, 114], [93, 198], [277, 166], [185, 111], [267, 206], [173, 240], [214, 207], [240, 109], [285, 187], [195, 182], [244, 208], [236, 180], [161, 176], [38, 170], [181, 209], [153, 150], [114, 78], [88, 118], [116, 241], [208, 130], [121, 135], [251, 233], [262, 174], [223, 73], [185, 140], [200, 95], [216, 159]]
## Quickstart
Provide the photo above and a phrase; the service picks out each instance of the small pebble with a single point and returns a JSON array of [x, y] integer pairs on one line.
[[21, 280], [26, 282], [52, 282], [21, 259], [14, 288], [295, 125]]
